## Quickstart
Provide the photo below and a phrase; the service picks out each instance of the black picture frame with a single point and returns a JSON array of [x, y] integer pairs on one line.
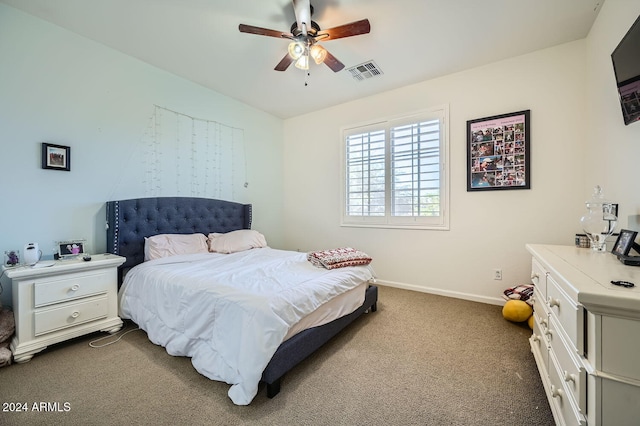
[[56, 157], [624, 242], [499, 152]]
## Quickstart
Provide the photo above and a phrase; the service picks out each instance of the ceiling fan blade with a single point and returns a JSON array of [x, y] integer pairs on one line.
[[302, 9], [284, 63], [263, 31], [333, 62], [347, 30]]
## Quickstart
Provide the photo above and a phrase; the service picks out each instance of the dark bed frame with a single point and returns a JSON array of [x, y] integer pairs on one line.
[[130, 221]]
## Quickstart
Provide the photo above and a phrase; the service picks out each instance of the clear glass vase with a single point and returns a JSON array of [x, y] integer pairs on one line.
[[600, 220]]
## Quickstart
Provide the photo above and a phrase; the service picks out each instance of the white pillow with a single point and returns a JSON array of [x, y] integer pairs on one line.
[[163, 245], [234, 241]]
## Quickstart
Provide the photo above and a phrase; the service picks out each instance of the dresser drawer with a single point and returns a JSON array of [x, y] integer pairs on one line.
[[619, 403], [567, 313], [70, 286], [620, 347], [539, 277], [540, 308], [571, 373], [540, 346], [70, 314], [561, 397]]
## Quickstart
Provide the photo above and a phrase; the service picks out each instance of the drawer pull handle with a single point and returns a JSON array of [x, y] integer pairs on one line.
[[556, 393], [534, 276], [76, 314], [535, 338], [569, 377], [554, 302], [75, 287], [544, 322], [549, 333]]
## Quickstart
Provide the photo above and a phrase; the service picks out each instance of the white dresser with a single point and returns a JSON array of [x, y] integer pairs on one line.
[[586, 336], [55, 303]]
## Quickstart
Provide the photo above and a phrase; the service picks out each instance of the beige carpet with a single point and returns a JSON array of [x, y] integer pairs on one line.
[[419, 360]]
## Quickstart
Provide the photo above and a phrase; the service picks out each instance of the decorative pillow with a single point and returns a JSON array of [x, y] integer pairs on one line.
[[234, 241], [163, 245]]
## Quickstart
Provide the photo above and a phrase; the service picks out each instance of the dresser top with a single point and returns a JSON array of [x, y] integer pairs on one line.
[[590, 274]]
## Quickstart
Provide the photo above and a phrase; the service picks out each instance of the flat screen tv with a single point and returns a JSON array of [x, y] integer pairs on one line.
[[626, 66]]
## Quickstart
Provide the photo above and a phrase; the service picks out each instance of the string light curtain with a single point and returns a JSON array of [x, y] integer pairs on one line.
[[189, 156]]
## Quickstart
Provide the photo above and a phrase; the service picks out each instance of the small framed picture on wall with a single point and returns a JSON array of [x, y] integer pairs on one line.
[[56, 157]]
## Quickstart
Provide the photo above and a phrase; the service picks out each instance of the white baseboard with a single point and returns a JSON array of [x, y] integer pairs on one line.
[[441, 292]]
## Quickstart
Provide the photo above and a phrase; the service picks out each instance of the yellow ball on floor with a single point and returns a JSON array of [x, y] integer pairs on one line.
[[516, 311], [530, 322]]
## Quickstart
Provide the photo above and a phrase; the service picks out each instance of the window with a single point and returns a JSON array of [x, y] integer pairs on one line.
[[396, 173]]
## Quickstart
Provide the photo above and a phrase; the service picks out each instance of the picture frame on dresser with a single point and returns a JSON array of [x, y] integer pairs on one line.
[[56, 157], [624, 243]]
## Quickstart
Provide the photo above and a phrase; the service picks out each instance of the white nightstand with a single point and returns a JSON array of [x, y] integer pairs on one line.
[[56, 303]]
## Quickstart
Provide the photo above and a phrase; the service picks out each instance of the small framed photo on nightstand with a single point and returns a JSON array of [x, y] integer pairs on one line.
[[71, 248]]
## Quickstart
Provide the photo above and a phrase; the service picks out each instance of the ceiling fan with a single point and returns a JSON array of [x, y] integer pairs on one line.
[[305, 35]]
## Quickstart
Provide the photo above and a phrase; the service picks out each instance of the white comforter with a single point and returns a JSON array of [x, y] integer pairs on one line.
[[229, 312]]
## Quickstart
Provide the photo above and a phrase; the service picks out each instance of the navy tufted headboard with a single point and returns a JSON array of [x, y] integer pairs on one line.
[[130, 221]]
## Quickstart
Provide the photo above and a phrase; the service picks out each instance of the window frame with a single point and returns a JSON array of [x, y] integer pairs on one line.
[[439, 222]]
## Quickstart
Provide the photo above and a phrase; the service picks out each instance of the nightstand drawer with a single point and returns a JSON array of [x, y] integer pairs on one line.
[[70, 314], [69, 287]]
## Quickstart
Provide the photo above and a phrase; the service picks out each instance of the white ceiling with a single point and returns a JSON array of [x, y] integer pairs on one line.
[[410, 40]]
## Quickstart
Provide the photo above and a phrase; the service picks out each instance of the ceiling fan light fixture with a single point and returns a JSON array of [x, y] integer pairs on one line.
[[296, 49], [303, 36], [318, 53], [303, 62]]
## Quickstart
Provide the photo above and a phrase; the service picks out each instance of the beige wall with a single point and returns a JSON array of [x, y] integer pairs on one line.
[[488, 229], [578, 140]]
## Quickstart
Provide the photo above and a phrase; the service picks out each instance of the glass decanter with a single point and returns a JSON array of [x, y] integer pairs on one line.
[[600, 220]]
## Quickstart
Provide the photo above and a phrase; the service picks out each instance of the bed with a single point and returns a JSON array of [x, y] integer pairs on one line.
[[129, 222]]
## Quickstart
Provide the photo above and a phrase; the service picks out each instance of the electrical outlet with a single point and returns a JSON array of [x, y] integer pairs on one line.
[[497, 274]]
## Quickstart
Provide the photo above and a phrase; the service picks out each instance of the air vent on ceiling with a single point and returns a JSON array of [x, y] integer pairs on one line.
[[365, 70]]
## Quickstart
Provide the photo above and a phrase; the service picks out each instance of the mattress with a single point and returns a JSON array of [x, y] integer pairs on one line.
[[335, 308]]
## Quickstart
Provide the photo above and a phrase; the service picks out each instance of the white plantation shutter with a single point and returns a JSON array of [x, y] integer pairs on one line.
[[366, 174], [415, 169], [395, 174]]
